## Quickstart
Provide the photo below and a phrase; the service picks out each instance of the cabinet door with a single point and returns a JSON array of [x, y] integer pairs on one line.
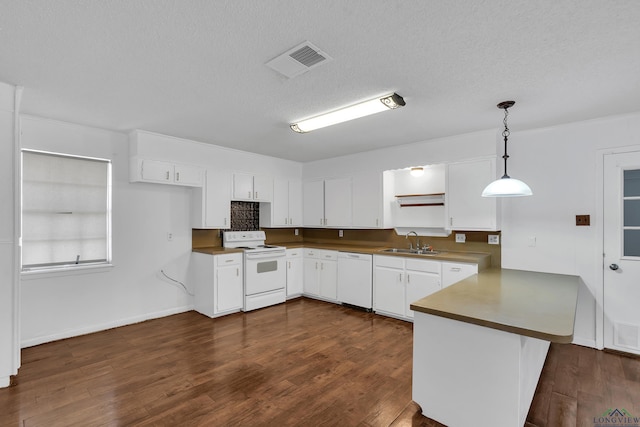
[[155, 171], [242, 186], [453, 272], [337, 202], [229, 288], [367, 200], [262, 188], [329, 279], [295, 276], [313, 203], [311, 269], [467, 209], [388, 290], [295, 203], [419, 285], [188, 175], [211, 205], [280, 204]]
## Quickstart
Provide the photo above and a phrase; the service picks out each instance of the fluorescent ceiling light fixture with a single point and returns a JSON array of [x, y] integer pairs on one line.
[[366, 108], [416, 171], [506, 186]]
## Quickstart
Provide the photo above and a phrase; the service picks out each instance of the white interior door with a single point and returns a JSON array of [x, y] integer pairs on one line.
[[622, 251]]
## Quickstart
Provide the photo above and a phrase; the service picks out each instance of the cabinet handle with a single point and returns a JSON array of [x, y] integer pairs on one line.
[[177, 176], [325, 221], [400, 277], [248, 194], [316, 265], [285, 221], [450, 220], [456, 269], [225, 221], [229, 260], [408, 278], [255, 195], [321, 266], [376, 222], [320, 221], [237, 272], [167, 176], [289, 265]]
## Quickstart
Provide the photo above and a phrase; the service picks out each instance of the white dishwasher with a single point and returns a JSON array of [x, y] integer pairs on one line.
[[355, 281]]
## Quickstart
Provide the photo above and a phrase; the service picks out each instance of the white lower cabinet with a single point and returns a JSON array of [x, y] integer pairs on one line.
[[218, 283], [321, 273], [295, 276], [398, 281], [453, 272]]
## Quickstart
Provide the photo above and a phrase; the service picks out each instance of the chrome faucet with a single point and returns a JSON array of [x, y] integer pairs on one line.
[[417, 240]]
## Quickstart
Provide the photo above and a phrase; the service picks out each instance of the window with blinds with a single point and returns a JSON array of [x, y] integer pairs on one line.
[[66, 211]]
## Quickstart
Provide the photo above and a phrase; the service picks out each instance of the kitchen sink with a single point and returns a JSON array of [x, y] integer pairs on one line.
[[410, 251]]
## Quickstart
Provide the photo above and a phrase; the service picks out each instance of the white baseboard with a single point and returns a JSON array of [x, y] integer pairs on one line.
[[104, 326], [5, 382], [584, 342]]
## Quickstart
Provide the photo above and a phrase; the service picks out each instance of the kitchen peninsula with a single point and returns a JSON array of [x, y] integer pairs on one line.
[[480, 344]]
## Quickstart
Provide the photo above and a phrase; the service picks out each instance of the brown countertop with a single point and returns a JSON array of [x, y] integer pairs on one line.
[[539, 305], [482, 259], [216, 250]]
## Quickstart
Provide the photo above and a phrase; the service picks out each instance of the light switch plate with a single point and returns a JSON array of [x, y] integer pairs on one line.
[[296, 232], [461, 238], [340, 233], [494, 239]]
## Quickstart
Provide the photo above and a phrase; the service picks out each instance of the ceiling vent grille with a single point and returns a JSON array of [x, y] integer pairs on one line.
[[298, 60]]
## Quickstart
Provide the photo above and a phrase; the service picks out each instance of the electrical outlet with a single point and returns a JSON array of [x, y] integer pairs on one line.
[[583, 219], [494, 239], [296, 232], [340, 233], [461, 238], [169, 236]]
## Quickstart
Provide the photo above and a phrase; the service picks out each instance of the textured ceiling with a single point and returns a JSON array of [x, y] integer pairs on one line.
[[195, 69]]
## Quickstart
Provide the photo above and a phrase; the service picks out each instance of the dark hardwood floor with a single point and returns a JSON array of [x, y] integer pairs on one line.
[[301, 363]]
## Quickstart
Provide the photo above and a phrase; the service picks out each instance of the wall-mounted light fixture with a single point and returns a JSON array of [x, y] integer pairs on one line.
[[416, 171], [506, 186], [366, 108]]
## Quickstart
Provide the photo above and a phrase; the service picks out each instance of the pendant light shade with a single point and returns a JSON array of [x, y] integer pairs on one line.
[[506, 186]]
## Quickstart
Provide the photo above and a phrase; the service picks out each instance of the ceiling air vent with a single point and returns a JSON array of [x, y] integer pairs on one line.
[[298, 60]]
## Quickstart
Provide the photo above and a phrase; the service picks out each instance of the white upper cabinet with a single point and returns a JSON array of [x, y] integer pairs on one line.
[[250, 187], [466, 208], [327, 203], [337, 202], [211, 204], [367, 200], [313, 203], [161, 172], [286, 208]]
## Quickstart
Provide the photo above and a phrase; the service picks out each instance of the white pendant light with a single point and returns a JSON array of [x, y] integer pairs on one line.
[[506, 186], [372, 106]]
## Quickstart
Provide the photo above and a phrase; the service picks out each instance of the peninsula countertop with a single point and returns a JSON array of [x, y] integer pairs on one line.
[[538, 305]]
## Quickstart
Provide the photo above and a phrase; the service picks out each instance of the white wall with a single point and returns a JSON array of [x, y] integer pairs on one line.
[[559, 164], [58, 306], [9, 354]]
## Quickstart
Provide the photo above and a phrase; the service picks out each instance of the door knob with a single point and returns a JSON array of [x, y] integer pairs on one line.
[[614, 267]]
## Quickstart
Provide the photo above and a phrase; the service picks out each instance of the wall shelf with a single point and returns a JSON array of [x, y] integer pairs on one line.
[[415, 200]]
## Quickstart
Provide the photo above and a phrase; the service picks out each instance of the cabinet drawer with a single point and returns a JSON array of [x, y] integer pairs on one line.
[[454, 272], [427, 266], [294, 253], [322, 254], [228, 259], [389, 261]]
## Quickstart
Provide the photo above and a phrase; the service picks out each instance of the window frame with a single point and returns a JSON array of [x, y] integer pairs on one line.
[[65, 268]]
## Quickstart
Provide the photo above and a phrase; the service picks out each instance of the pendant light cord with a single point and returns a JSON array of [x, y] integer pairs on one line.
[[505, 135]]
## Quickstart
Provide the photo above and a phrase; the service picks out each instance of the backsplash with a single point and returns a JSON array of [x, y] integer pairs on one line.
[[245, 216]]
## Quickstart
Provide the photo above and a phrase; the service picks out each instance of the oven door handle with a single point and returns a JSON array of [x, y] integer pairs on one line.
[[266, 255]]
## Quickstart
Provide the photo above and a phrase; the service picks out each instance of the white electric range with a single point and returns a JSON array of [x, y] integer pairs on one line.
[[265, 275]]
